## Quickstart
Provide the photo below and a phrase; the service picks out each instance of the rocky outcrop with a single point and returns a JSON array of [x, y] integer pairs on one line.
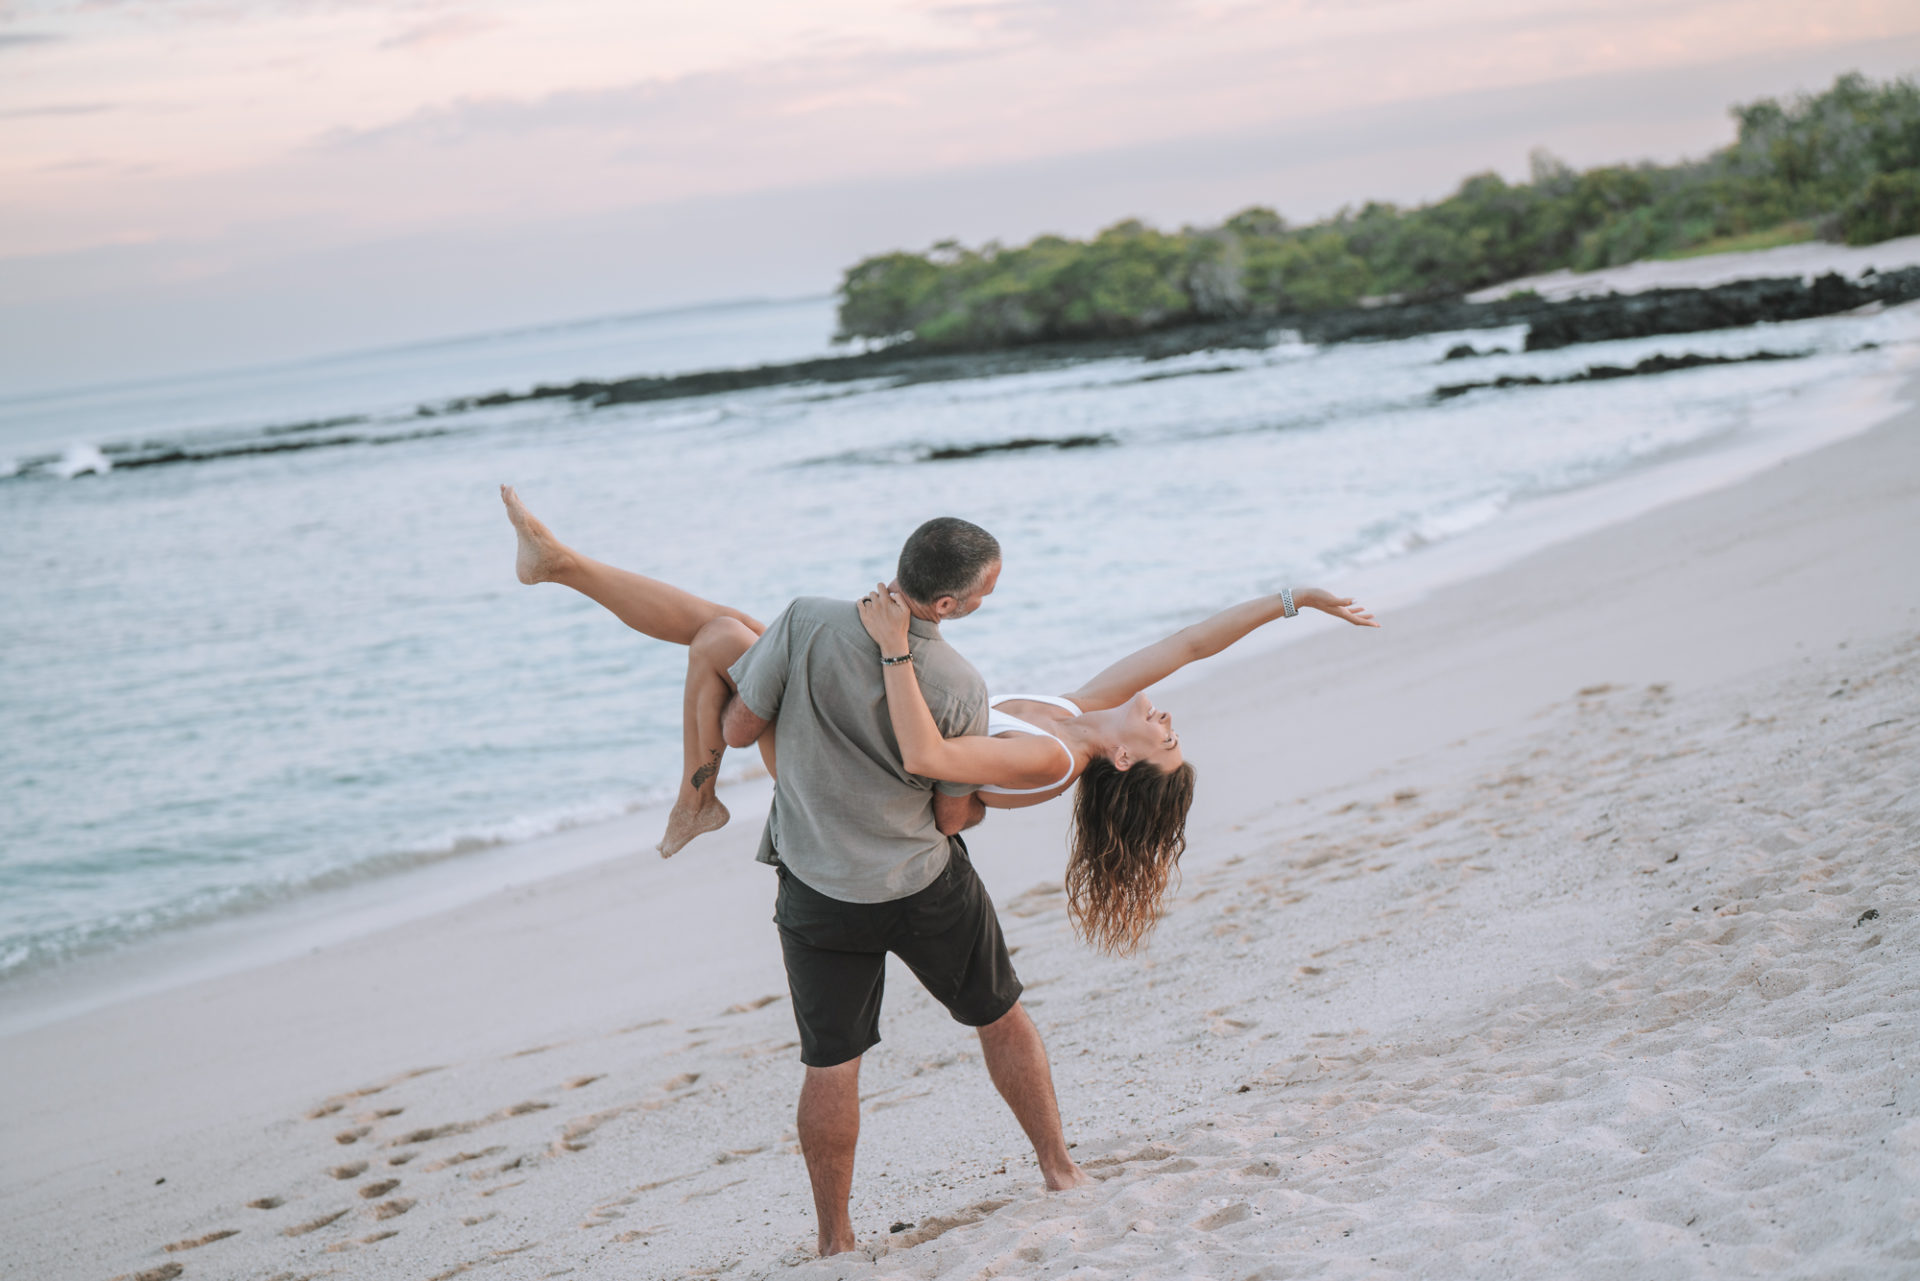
[[1656, 364], [1730, 306], [1550, 324]]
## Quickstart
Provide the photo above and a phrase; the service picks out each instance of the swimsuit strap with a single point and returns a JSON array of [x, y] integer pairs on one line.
[[999, 722]]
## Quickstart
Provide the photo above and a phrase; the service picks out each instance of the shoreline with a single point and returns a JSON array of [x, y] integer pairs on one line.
[[1342, 942], [255, 937]]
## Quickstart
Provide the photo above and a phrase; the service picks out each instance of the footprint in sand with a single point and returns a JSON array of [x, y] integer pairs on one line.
[[351, 1170], [312, 1225], [461, 1158], [1225, 1215], [471, 1264], [940, 1224], [700, 1194], [265, 1203], [165, 1272], [197, 1242], [392, 1209], [354, 1135], [374, 1191]]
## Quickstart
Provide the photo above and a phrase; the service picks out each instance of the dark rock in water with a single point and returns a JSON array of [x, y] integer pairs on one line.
[[1551, 324], [1744, 302], [1655, 364], [951, 452], [1189, 373], [1467, 351]]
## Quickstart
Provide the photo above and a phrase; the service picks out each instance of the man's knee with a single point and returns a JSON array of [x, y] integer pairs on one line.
[[1013, 1022], [837, 1074], [826, 1091]]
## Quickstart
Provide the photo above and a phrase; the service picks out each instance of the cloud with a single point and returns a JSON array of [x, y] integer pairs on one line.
[[1060, 21], [727, 112], [58, 109], [437, 33]]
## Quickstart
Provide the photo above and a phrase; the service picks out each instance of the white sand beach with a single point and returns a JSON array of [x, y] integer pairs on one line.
[[1569, 925], [1806, 260]]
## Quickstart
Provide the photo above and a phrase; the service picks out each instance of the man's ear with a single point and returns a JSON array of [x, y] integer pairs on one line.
[[944, 606]]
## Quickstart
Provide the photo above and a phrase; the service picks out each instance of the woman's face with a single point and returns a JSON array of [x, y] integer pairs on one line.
[[1147, 735]]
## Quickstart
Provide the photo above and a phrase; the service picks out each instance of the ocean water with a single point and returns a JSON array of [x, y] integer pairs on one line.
[[232, 682]]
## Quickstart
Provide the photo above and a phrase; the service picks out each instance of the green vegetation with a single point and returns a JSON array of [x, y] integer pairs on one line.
[[1787, 233], [1841, 165]]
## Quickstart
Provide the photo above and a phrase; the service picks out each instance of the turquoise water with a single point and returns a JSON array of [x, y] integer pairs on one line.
[[229, 683]]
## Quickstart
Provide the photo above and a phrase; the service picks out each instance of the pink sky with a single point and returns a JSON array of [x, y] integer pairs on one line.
[[173, 173]]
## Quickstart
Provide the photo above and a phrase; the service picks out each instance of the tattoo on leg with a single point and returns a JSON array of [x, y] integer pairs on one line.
[[704, 775]]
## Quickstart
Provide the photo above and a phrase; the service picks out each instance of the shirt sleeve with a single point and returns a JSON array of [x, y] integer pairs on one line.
[[760, 674], [962, 716]]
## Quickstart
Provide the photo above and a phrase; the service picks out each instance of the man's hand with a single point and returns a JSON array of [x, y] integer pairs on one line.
[[955, 814], [739, 726]]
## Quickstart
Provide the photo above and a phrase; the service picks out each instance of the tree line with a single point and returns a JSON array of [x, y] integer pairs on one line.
[[1841, 165]]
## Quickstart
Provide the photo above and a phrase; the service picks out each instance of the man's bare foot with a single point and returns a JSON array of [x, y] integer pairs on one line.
[[541, 556], [691, 818], [828, 1248], [1066, 1180]]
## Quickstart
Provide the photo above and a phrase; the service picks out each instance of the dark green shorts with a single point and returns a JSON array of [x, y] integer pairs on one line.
[[836, 957]]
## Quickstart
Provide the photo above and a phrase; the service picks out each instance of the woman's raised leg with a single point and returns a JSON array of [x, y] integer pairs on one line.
[[715, 635], [647, 605], [697, 809]]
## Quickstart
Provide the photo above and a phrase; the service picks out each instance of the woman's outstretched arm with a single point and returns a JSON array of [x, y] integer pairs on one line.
[[1156, 662], [1027, 760]]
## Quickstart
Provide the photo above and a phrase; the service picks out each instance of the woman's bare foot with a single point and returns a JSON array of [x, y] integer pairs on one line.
[[692, 816], [541, 557]]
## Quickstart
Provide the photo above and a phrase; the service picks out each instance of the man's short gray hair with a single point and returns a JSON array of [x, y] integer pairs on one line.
[[946, 556]]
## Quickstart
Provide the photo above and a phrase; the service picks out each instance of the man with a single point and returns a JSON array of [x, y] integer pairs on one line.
[[870, 859]]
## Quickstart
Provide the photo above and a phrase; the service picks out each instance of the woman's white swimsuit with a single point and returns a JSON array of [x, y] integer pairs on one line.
[[999, 722]]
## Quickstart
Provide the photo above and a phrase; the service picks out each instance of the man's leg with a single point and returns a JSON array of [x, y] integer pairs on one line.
[[829, 1126], [837, 978], [1017, 1062]]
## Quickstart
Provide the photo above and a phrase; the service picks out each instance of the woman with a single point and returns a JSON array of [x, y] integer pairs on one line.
[[1130, 813], [1135, 788]]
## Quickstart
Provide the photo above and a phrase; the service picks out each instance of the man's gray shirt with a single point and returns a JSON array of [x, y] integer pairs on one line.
[[847, 818]]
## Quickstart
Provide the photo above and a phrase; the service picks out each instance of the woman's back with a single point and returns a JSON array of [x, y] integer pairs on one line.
[[1042, 713]]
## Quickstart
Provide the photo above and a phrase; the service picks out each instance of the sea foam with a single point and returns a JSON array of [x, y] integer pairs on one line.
[[79, 460]]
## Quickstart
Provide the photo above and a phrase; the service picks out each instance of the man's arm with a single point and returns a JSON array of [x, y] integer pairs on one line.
[[952, 814], [759, 679]]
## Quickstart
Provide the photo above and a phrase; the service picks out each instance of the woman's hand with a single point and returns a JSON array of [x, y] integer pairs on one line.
[[1341, 607], [885, 617]]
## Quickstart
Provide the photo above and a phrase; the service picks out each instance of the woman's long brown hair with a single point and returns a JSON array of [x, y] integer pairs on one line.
[[1129, 830]]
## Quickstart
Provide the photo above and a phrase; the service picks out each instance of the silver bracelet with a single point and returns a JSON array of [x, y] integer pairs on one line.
[[1286, 603]]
